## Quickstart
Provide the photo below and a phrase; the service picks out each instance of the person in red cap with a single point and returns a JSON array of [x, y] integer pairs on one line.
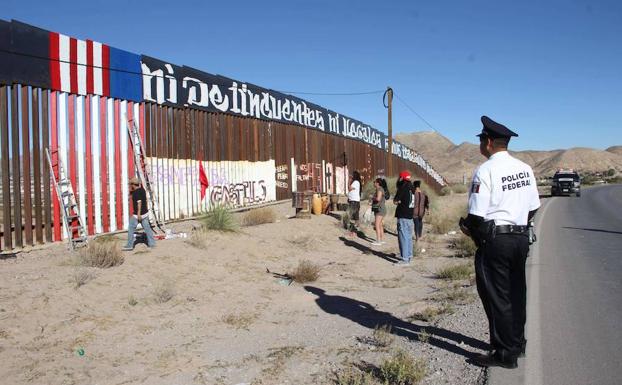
[[404, 213]]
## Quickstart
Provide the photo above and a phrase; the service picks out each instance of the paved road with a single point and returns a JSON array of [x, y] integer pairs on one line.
[[574, 326]]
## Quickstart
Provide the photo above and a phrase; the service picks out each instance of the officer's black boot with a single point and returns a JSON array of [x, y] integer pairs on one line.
[[498, 358]]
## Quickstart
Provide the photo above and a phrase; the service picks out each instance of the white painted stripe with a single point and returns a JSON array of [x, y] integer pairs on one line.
[[63, 55], [125, 191], [292, 169], [96, 148], [80, 156], [179, 205], [82, 68], [62, 140], [111, 176], [166, 181], [97, 70], [137, 119]]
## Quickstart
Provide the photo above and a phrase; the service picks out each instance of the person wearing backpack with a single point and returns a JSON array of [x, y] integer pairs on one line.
[[404, 213], [422, 207], [379, 209]]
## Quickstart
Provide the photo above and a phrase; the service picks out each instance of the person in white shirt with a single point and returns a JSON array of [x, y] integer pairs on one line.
[[502, 201], [354, 200]]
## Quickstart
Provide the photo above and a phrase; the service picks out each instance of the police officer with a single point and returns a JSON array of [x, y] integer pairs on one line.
[[502, 200]]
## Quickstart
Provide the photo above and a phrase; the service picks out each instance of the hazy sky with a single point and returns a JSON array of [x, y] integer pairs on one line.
[[550, 70]]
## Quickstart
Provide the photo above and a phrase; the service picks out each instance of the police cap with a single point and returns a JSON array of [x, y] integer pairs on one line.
[[495, 130]]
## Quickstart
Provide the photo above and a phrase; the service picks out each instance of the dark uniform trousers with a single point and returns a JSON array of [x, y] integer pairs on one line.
[[501, 285]]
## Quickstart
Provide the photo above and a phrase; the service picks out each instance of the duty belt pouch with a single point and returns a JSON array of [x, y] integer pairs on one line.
[[486, 231]]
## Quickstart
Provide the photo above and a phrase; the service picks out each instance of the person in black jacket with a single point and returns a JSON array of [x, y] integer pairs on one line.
[[140, 215], [404, 213]]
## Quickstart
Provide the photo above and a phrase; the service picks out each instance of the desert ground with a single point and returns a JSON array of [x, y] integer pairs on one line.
[[219, 308]]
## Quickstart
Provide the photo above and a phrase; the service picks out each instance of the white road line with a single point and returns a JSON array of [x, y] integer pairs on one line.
[[533, 361]]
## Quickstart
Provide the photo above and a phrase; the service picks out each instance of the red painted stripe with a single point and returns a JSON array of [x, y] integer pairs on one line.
[[105, 70], [90, 218], [73, 66], [89, 67], [103, 161], [54, 157], [117, 166], [130, 120], [54, 63]]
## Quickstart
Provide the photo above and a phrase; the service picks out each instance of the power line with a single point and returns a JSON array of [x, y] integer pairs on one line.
[[163, 76], [333, 93], [415, 112]]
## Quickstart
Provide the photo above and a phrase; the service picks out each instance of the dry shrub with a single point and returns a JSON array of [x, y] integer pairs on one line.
[[441, 222], [219, 218], [402, 369], [352, 375], [163, 292], [81, 277], [239, 321], [456, 272], [459, 188], [382, 336], [455, 294], [445, 217], [423, 336], [132, 301], [259, 217], [306, 271], [102, 253], [445, 191], [465, 247], [431, 313], [198, 239]]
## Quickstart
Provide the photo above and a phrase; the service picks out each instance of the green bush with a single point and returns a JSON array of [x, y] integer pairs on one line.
[[459, 188], [402, 369], [465, 247], [456, 272], [219, 218], [259, 216]]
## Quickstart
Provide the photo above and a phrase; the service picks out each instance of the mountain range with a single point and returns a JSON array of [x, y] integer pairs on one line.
[[456, 162]]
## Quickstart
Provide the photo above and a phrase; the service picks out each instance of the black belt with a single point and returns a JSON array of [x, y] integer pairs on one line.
[[511, 229]]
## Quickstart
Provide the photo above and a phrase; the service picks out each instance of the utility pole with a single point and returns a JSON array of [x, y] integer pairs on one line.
[[389, 94]]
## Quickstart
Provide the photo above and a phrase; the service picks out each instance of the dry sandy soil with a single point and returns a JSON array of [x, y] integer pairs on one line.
[[228, 320]]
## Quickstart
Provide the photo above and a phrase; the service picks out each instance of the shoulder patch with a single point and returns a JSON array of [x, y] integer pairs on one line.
[[474, 188]]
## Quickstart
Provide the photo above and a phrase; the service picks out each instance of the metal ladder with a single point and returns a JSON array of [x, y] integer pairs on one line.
[[72, 222], [144, 175]]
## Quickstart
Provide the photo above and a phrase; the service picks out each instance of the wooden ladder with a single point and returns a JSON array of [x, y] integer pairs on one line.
[[145, 176], [72, 222]]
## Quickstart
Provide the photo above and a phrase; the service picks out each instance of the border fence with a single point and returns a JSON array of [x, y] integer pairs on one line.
[[76, 96]]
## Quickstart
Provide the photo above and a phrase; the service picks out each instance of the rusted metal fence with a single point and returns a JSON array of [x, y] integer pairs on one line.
[[247, 161]]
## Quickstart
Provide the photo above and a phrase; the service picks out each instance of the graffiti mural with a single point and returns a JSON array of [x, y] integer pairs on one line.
[[282, 176], [341, 180], [232, 184], [239, 194]]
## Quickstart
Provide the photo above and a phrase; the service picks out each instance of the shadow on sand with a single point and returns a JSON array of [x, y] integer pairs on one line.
[[368, 250], [366, 315]]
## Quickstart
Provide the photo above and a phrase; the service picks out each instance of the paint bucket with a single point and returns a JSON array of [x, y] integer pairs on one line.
[[316, 204]]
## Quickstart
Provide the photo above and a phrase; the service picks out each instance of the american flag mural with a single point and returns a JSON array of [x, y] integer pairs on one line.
[[87, 67]]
